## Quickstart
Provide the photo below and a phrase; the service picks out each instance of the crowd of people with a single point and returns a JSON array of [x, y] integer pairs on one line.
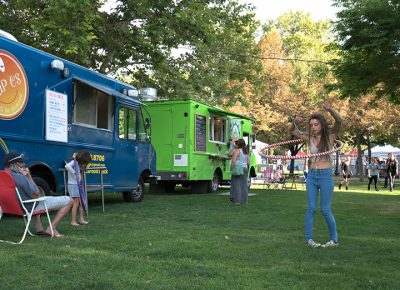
[[388, 169]]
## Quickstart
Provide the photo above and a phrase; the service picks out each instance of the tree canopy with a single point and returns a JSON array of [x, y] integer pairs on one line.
[[368, 36], [138, 40], [294, 70]]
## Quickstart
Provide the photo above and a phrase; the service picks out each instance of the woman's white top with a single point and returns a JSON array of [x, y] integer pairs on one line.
[[314, 149]]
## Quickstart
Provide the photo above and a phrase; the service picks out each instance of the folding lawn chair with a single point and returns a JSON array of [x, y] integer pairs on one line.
[[11, 203], [268, 178], [279, 178]]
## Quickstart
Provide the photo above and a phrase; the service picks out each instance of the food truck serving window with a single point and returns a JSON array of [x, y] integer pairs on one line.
[[92, 107], [217, 129]]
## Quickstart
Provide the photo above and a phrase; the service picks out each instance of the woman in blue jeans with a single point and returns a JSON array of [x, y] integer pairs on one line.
[[320, 177]]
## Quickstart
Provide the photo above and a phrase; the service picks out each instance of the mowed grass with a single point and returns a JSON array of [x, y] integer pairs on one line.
[[202, 241]]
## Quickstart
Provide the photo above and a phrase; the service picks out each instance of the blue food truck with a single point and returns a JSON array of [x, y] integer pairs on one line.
[[51, 108]]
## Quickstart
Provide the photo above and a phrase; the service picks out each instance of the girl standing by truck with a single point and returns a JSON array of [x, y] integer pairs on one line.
[[80, 161]]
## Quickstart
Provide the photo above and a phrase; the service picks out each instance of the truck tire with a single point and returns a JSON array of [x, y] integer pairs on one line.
[[212, 185], [137, 194], [43, 186]]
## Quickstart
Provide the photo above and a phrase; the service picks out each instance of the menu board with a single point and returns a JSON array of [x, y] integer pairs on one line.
[[56, 116], [201, 132]]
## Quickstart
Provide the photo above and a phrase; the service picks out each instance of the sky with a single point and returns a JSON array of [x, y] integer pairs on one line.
[[271, 9]]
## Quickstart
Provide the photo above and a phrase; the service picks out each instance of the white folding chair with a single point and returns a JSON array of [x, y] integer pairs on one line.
[[11, 203]]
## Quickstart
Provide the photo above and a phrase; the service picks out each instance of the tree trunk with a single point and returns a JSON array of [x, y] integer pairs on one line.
[[369, 148], [337, 163], [359, 157]]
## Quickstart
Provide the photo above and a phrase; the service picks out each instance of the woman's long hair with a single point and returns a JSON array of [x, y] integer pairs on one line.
[[83, 158], [241, 144], [324, 145]]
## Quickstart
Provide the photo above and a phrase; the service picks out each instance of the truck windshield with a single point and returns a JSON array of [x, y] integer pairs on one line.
[[127, 120]]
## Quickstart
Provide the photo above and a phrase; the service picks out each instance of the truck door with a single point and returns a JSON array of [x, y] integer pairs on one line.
[[127, 155]]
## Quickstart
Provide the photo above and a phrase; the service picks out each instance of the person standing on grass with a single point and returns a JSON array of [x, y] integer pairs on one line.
[[392, 169], [346, 172], [386, 174], [320, 176], [231, 152], [80, 161], [373, 173], [239, 188]]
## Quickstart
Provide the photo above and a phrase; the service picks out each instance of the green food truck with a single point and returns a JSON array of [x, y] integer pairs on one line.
[[192, 141]]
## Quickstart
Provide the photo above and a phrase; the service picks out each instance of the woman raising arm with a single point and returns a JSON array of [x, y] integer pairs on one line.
[[320, 177]]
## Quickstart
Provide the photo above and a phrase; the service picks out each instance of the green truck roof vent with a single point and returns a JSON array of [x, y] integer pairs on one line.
[[148, 94]]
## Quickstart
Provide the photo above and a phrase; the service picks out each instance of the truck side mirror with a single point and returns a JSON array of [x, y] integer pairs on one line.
[[147, 123]]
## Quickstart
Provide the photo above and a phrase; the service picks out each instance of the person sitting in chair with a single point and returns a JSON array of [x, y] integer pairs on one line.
[[14, 163]]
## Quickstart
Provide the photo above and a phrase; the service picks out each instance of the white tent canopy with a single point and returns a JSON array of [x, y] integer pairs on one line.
[[382, 151]]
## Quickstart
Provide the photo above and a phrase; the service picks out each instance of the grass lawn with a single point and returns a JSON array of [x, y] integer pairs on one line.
[[191, 241]]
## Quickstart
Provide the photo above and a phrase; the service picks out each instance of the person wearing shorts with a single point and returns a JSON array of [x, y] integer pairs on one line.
[[80, 161], [346, 172], [14, 163]]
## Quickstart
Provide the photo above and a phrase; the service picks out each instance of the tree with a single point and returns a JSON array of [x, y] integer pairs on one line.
[[368, 36], [305, 43], [136, 41], [368, 122], [263, 101], [295, 71], [63, 28], [293, 74]]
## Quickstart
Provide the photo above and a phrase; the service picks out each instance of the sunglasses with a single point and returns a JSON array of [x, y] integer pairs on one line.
[[21, 156]]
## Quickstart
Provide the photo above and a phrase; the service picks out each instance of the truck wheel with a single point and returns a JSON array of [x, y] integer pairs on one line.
[[43, 186], [137, 194], [213, 184]]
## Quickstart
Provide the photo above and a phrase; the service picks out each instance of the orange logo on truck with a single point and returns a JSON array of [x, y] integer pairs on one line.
[[13, 86]]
